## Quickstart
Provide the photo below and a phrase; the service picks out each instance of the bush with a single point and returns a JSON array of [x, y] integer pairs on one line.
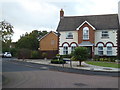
[[66, 56], [13, 52], [24, 53], [54, 58], [73, 58], [96, 58], [35, 55], [56, 61], [44, 55]]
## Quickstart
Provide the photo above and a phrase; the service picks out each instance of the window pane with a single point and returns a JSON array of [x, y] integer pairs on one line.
[[69, 35], [73, 48], [100, 48], [105, 34], [109, 48], [85, 33], [65, 50], [100, 52], [109, 52]]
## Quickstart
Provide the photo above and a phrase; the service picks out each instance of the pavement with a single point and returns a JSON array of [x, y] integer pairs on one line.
[[73, 65]]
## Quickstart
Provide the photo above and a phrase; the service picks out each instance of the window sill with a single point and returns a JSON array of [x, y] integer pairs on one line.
[[85, 39], [104, 37], [69, 38]]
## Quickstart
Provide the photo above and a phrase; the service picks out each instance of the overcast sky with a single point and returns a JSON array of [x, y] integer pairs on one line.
[[28, 15]]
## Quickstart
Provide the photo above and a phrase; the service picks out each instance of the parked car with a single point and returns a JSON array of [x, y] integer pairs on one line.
[[7, 54]]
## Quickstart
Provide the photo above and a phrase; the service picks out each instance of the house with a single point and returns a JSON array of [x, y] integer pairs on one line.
[[49, 44], [119, 30], [96, 32]]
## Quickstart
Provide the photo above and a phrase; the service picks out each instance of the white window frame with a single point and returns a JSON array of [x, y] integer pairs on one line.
[[105, 34], [100, 51], [69, 35], [73, 46], [65, 49], [109, 51], [85, 33]]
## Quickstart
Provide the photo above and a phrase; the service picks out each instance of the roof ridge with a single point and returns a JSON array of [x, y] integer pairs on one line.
[[90, 15]]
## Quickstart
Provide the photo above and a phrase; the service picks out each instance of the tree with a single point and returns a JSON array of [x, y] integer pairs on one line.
[[81, 54], [6, 31], [30, 41]]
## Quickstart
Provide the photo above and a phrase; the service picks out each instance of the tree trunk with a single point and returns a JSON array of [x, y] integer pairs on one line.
[[79, 62]]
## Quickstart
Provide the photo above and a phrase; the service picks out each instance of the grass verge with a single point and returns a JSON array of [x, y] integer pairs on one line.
[[104, 64]]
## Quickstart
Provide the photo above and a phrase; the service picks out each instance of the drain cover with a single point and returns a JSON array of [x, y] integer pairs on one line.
[[80, 84], [107, 68]]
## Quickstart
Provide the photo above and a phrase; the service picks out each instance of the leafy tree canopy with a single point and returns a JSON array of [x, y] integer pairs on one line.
[[81, 54], [31, 40], [6, 31]]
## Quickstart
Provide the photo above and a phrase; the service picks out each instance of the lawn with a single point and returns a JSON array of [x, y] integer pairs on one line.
[[104, 64]]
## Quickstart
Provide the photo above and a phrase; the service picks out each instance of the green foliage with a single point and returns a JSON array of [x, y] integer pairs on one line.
[[56, 61], [104, 64], [44, 55], [81, 54], [24, 53], [30, 41], [35, 54], [73, 58], [14, 51], [66, 56], [58, 55], [105, 59], [6, 30]]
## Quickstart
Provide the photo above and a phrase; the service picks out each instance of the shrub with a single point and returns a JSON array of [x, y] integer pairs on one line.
[[74, 59], [54, 58], [96, 58], [81, 54], [35, 54], [66, 56], [56, 61], [44, 55], [24, 53]]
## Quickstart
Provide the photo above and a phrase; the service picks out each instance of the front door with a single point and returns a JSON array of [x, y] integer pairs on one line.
[[90, 51]]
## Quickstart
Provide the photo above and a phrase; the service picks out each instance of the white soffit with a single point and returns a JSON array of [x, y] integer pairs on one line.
[[87, 23]]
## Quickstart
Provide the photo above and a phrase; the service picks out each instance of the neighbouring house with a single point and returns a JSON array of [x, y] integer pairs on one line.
[[119, 30], [49, 44], [96, 32]]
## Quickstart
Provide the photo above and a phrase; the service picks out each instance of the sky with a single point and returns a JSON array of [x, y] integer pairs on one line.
[[29, 15]]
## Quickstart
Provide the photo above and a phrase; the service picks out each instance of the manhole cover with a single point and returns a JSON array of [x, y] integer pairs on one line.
[[80, 84], [107, 68]]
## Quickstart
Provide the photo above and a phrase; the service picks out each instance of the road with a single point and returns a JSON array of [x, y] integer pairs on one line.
[[22, 75]]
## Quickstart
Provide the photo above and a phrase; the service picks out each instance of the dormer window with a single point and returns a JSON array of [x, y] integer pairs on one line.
[[85, 33], [69, 35]]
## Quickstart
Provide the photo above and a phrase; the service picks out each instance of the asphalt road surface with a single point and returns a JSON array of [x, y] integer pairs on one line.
[[21, 75]]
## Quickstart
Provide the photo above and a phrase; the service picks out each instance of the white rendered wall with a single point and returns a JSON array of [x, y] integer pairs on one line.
[[63, 39], [112, 38]]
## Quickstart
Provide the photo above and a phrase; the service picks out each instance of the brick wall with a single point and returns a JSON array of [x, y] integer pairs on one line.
[[91, 34]]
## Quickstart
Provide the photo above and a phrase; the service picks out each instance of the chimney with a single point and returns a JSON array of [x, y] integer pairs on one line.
[[61, 13]]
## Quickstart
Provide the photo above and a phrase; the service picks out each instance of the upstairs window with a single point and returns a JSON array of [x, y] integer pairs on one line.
[[105, 34], [69, 35], [85, 33]]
